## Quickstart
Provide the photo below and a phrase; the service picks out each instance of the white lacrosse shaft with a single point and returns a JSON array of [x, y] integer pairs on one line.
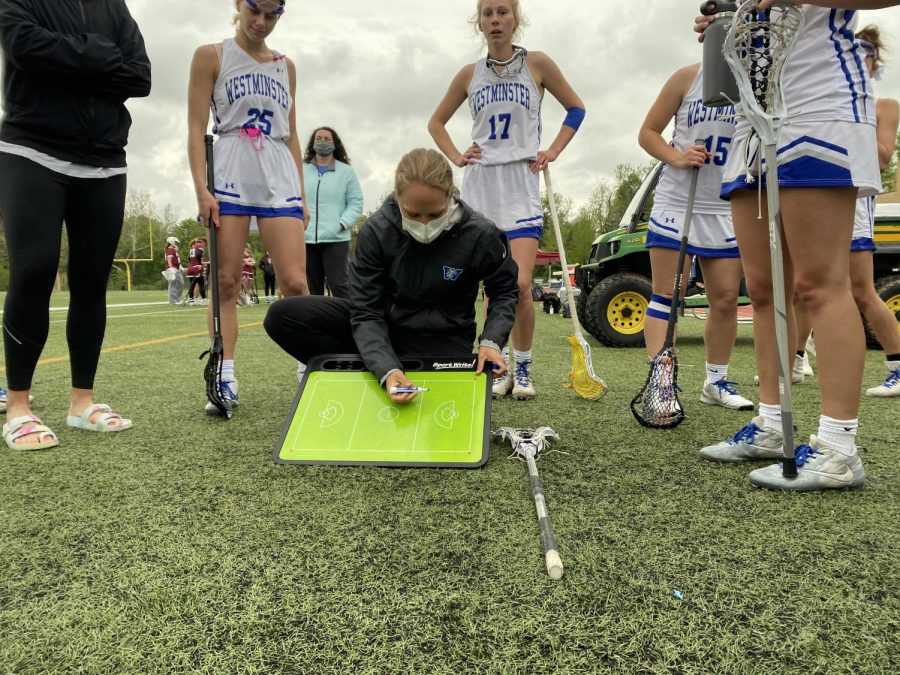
[[548, 539], [570, 297], [780, 301]]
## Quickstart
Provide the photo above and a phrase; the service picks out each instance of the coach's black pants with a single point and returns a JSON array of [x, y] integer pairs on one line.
[[308, 325], [269, 281], [34, 202], [328, 262]]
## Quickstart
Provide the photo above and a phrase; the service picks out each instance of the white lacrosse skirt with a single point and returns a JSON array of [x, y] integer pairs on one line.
[[864, 225], [256, 182], [810, 154], [711, 235], [509, 195]]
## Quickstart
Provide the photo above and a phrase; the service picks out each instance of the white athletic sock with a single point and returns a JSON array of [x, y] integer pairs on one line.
[[505, 354], [715, 372], [892, 365], [771, 416], [522, 357], [838, 434], [228, 369]]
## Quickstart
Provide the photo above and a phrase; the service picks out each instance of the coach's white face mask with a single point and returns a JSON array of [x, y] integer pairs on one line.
[[425, 233]]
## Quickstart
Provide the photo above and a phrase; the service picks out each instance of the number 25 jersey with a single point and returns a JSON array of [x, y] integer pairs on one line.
[[507, 114], [251, 94]]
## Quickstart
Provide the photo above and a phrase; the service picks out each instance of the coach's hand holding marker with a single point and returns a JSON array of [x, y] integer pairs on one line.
[[489, 352], [406, 390], [399, 388]]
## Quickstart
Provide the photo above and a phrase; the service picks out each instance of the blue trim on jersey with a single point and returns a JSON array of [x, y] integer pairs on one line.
[[228, 209], [294, 199], [730, 239], [861, 69], [655, 240], [532, 232], [814, 141], [863, 244], [228, 194], [839, 50], [805, 172], [529, 220], [664, 227]]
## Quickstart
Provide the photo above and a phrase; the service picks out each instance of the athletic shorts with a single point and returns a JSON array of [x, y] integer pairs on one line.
[[810, 154], [711, 235], [509, 195], [864, 225], [251, 182]]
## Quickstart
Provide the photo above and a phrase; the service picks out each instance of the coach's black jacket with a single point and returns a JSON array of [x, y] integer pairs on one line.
[[68, 67], [401, 287]]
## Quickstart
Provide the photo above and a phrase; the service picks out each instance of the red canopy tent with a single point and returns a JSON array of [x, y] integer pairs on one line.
[[546, 258]]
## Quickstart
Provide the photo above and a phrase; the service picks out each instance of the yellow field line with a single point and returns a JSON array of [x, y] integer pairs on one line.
[[139, 345]]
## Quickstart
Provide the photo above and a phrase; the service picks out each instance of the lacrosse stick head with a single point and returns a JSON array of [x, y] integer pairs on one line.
[[526, 442], [756, 49], [212, 374], [582, 377], [656, 405], [511, 66]]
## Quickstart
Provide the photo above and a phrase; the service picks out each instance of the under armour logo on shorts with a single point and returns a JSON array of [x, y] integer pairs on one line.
[[229, 186], [451, 273]]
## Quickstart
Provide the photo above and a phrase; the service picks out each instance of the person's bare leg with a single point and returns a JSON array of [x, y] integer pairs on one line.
[[662, 264]]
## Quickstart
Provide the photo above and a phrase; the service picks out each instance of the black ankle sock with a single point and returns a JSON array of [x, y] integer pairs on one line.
[[801, 353], [892, 357]]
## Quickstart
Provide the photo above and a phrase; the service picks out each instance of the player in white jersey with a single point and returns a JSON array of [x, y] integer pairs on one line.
[[862, 247], [826, 160], [504, 91], [711, 237], [250, 89]]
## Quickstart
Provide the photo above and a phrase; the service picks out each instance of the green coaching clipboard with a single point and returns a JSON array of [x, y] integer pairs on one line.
[[341, 415]]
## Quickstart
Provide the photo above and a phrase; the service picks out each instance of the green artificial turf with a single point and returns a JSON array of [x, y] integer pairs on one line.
[[180, 546]]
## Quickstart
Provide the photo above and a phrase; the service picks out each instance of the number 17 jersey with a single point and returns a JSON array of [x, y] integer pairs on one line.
[[506, 114]]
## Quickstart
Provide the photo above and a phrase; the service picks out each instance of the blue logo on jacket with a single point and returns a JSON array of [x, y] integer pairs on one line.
[[451, 273]]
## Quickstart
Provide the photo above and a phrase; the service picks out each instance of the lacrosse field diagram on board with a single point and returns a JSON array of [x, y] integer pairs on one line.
[[347, 418]]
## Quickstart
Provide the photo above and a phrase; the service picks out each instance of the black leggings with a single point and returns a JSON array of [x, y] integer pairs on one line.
[[34, 202], [269, 280], [309, 325], [328, 262], [197, 281]]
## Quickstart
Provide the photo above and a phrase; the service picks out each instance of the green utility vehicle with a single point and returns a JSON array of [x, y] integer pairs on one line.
[[615, 282]]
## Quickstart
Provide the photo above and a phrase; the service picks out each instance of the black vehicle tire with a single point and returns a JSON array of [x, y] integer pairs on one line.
[[583, 315], [616, 309], [888, 288]]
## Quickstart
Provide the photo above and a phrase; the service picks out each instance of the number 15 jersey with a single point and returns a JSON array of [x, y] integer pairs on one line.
[[507, 114]]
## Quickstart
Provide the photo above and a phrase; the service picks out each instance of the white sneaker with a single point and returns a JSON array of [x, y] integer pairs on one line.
[[752, 442], [229, 390], [502, 385], [891, 386], [722, 393], [523, 389], [801, 365], [818, 468], [796, 377]]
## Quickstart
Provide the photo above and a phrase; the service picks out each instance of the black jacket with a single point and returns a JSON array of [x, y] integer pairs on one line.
[[68, 67], [399, 286]]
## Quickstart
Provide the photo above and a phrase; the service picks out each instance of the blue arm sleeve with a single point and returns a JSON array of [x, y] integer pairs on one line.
[[574, 118]]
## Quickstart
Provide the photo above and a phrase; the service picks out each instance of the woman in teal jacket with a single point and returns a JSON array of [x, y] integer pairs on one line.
[[335, 202]]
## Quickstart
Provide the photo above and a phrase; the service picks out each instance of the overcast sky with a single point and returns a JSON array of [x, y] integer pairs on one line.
[[375, 70]]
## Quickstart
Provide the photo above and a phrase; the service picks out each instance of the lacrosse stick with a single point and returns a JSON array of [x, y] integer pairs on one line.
[[756, 49], [212, 373], [656, 405], [528, 444], [582, 377]]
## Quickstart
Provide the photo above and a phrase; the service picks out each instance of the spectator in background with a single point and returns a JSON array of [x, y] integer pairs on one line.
[[66, 76], [172, 271], [268, 270], [248, 264], [335, 202], [195, 272]]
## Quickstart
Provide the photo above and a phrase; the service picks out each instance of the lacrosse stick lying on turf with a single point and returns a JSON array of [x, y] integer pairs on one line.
[[582, 377], [528, 444], [212, 373], [656, 405], [756, 49]]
